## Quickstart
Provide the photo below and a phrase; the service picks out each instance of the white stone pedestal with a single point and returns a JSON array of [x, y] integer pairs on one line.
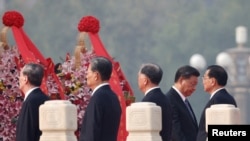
[[58, 121], [143, 122], [222, 114]]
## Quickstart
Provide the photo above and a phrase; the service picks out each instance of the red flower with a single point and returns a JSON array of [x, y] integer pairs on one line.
[[128, 102], [68, 76], [53, 96], [13, 18], [67, 90], [89, 24], [77, 102]]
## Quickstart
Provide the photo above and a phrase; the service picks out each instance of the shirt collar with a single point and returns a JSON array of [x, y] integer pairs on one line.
[[151, 89], [28, 92], [103, 84], [215, 92], [180, 94]]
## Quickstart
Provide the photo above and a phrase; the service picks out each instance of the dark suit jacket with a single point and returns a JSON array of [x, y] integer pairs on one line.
[[28, 121], [157, 96], [220, 97], [185, 128], [102, 117]]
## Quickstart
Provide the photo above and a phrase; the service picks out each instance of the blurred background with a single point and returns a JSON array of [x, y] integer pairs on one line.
[[167, 32]]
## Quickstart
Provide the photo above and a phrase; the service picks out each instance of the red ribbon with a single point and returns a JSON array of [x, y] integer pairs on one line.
[[30, 53]]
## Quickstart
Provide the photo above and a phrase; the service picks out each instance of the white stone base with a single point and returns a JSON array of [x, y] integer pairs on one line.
[[143, 122], [58, 121]]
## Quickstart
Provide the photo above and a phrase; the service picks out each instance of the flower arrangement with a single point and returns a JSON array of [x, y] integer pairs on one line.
[[73, 80], [11, 60], [127, 93], [129, 99], [10, 95]]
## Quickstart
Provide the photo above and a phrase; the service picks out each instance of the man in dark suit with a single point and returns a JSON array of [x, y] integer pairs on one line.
[[185, 125], [102, 117], [30, 80], [214, 82], [149, 78]]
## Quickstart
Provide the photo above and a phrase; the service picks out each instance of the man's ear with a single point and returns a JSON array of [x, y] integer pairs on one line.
[[25, 79], [97, 75], [145, 80], [181, 80], [213, 81]]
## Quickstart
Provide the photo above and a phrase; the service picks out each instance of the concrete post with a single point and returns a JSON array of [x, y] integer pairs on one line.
[[58, 121], [143, 122], [222, 114]]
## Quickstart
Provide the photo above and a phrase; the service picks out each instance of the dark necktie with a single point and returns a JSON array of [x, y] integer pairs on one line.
[[189, 108]]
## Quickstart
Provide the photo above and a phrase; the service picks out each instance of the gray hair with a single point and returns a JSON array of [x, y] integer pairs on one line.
[[103, 66], [152, 71], [34, 72]]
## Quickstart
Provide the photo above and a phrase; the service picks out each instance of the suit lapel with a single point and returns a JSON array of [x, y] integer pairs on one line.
[[182, 104]]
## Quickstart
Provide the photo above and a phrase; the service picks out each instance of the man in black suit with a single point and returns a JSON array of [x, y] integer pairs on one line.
[[214, 82], [185, 125], [30, 80], [102, 117], [149, 78]]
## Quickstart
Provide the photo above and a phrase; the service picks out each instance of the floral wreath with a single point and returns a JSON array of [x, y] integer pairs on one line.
[[74, 69], [11, 60], [10, 94]]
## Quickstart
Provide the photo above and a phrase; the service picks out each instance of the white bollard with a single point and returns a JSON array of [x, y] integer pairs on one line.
[[222, 114], [143, 122], [58, 121]]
